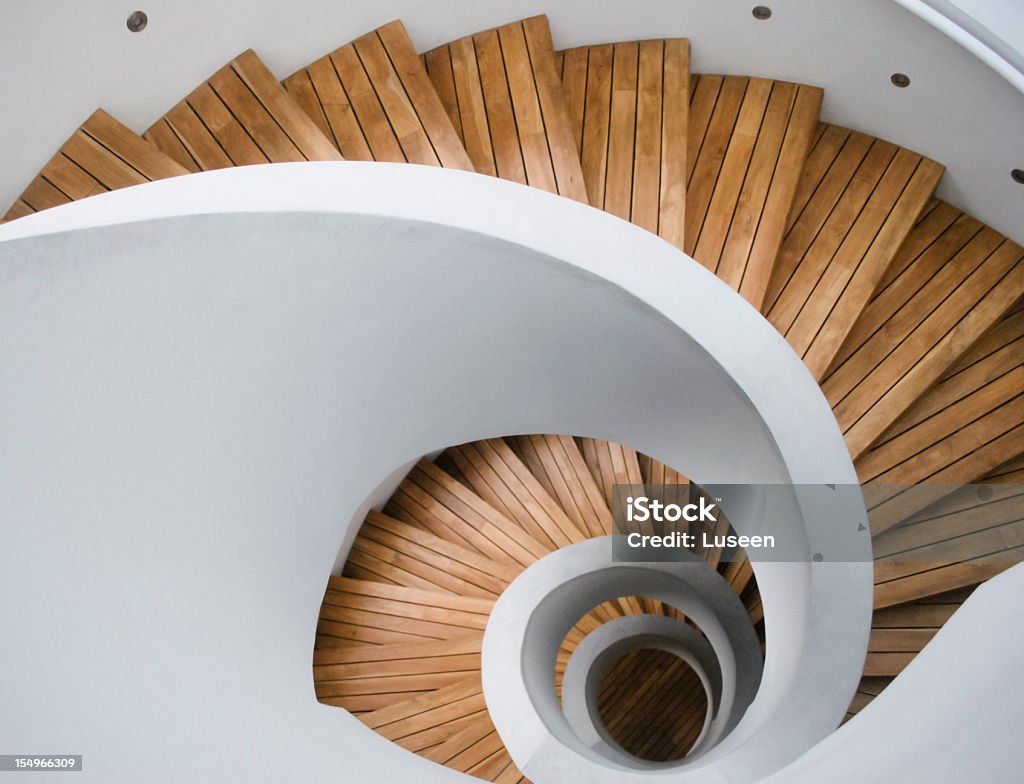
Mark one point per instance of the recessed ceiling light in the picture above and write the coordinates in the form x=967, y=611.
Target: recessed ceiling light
x=900, y=79
x=762, y=12
x=137, y=21
x=1018, y=175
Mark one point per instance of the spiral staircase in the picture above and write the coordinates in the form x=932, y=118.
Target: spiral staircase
x=907, y=311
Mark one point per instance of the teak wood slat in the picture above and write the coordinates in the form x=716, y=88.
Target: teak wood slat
x=629, y=104
x=240, y=115
x=507, y=104
x=953, y=281
x=967, y=425
x=497, y=474
x=559, y=466
x=102, y=155
x=450, y=510
x=373, y=99
x=747, y=142
x=856, y=203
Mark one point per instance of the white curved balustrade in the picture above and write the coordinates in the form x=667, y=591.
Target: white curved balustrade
x=205, y=377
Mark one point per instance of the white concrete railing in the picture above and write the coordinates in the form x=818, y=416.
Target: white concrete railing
x=204, y=378
x=533, y=615
x=953, y=715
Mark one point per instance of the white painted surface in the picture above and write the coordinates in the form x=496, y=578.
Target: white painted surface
x=204, y=378
x=953, y=715
x=531, y=618
x=992, y=30
x=60, y=59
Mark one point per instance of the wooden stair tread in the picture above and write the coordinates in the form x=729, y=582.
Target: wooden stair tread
x=967, y=425
x=469, y=642
x=931, y=581
x=447, y=508
x=372, y=98
x=660, y=719
x=440, y=611
x=407, y=717
x=1010, y=472
x=366, y=588
x=954, y=519
x=408, y=550
x=559, y=467
x=858, y=200
x=497, y=474
x=628, y=105
x=240, y=115
x=102, y=155
x=747, y=142
x=953, y=280
x=611, y=464
x=504, y=98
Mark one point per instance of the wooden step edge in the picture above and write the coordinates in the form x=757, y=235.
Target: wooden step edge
x=374, y=99
x=101, y=155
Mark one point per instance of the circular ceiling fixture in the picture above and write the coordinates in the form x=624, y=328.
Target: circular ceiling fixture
x=1018, y=175
x=137, y=21
x=900, y=79
x=762, y=12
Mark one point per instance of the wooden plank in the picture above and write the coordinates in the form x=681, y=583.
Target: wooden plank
x=504, y=481
x=554, y=110
x=498, y=116
x=102, y=155
x=459, y=741
x=393, y=685
x=335, y=634
x=439, y=63
x=855, y=216
x=355, y=653
x=198, y=132
x=409, y=595
x=611, y=464
x=448, y=565
x=298, y=127
x=511, y=106
x=967, y=425
x=399, y=668
x=750, y=138
x=449, y=509
x=1011, y=472
x=330, y=614
x=559, y=466
x=934, y=581
x=572, y=66
x=318, y=89
x=920, y=324
x=952, y=519
x=432, y=736
x=439, y=614
x=621, y=139
x=408, y=69
x=241, y=115
x=914, y=615
x=430, y=710
x=629, y=104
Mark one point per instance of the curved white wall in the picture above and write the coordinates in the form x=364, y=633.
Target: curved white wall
x=60, y=59
x=953, y=715
x=203, y=378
